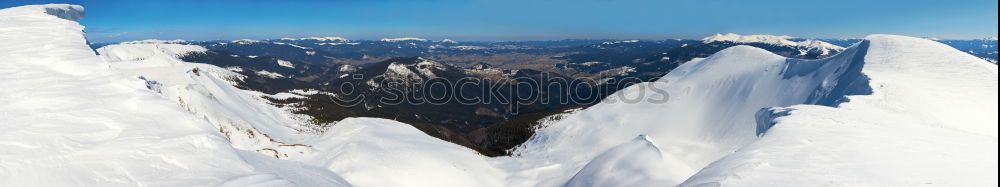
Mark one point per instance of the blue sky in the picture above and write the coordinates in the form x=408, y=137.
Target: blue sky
x=121, y=20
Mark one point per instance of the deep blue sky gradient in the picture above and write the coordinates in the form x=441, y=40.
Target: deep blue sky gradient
x=121, y=20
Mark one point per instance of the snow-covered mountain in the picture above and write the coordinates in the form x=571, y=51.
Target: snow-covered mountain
x=137, y=115
x=982, y=48
x=930, y=119
x=908, y=89
x=206, y=90
x=888, y=111
x=325, y=38
x=403, y=39
x=250, y=123
x=69, y=120
x=823, y=48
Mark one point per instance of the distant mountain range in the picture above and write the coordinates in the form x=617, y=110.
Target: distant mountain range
x=985, y=48
x=321, y=64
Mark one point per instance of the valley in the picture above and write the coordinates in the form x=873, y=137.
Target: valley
x=489, y=70
x=551, y=76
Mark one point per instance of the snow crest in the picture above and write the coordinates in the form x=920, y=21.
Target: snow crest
x=715, y=108
x=65, y=114
x=930, y=120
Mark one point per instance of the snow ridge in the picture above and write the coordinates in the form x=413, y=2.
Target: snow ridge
x=403, y=39
x=156, y=41
x=251, y=124
x=64, y=113
x=153, y=50
x=922, y=91
x=823, y=47
x=326, y=38
x=209, y=91
x=731, y=87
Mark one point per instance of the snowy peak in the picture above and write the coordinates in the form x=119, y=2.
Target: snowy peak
x=326, y=38
x=933, y=69
x=916, y=79
x=732, y=37
x=449, y=41
x=414, y=69
x=403, y=39
x=823, y=47
x=619, y=42
x=481, y=66
x=245, y=41
x=148, y=50
x=920, y=90
x=156, y=41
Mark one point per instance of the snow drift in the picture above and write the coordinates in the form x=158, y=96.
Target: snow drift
x=618, y=167
x=381, y=152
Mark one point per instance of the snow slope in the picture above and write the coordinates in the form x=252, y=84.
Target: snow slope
x=618, y=167
x=247, y=120
x=367, y=152
x=931, y=120
x=710, y=111
x=69, y=121
x=381, y=152
x=720, y=104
